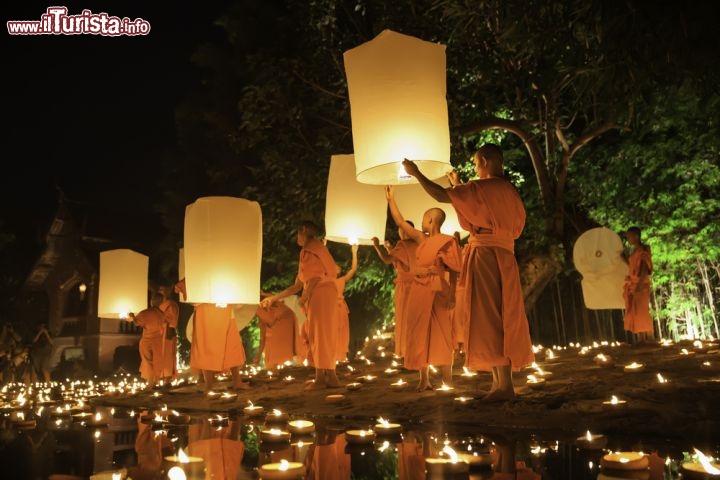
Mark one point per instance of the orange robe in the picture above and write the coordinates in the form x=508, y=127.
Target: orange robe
x=317, y=262
x=329, y=461
x=151, y=342
x=497, y=331
x=343, y=312
x=459, y=313
x=411, y=460
x=636, y=291
x=279, y=333
x=404, y=261
x=149, y=449
x=171, y=313
x=221, y=450
x=216, y=343
x=427, y=313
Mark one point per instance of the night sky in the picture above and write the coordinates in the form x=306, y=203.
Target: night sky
x=92, y=114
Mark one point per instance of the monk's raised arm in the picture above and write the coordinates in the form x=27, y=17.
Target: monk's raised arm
x=411, y=232
x=437, y=192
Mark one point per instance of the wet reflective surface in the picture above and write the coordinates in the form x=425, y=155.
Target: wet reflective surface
x=82, y=442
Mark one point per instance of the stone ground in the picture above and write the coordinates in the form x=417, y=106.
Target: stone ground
x=569, y=402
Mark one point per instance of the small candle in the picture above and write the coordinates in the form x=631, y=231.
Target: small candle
x=634, y=367
x=301, y=427
x=353, y=386
x=360, y=436
x=253, y=410
x=709, y=366
x=662, y=380
x=367, y=378
x=282, y=470
x=335, y=398
x=194, y=467
x=384, y=427
x=685, y=351
x=604, y=360
x=276, y=417
x=462, y=399
x=441, y=467
x=702, y=468
x=591, y=441
x=468, y=373
x=275, y=435
x=400, y=384
x=445, y=389
x=535, y=382
x=625, y=461
x=177, y=418
x=391, y=371
x=614, y=402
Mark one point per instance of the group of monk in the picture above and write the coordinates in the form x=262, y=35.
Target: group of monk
x=447, y=298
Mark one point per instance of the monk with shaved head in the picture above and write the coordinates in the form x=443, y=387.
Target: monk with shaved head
x=427, y=313
x=497, y=334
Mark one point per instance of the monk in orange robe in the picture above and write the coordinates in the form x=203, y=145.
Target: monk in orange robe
x=150, y=449
x=316, y=278
x=636, y=290
x=402, y=258
x=279, y=334
x=431, y=298
x=171, y=314
x=216, y=344
x=152, y=322
x=343, y=345
x=497, y=335
x=327, y=459
x=220, y=448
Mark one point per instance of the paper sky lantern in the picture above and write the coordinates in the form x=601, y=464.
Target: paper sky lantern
x=354, y=212
x=413, y=201
x=596, y=256
x=123, y=283
x=181, y=264
x=223, y=250
x=398, y=109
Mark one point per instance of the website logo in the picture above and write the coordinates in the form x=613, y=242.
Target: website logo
x=56, y=21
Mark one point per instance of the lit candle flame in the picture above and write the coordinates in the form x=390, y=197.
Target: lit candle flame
x=614, y=400
x=589, y=436
x=284, y=465
x=661, y=379
x=182, y=457
x=450, y=453
x=383, y=422
x=176, y=473
x=276, y=412
x=705, y=462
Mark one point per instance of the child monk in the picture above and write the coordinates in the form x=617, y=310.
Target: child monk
x=279, y=333
x=402, y=258
x=431, y=298
x=636, y=290
x=171, y=314
x=152, y=322
x=316, y=278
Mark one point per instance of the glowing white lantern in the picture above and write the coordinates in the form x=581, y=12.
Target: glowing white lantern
x=354, y=212
x=413, y=201
x=596, y=255
x=223, y=251
x=398, y=109
x=123, y=283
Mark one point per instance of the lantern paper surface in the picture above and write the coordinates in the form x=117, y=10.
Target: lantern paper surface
x=398, y=108
x=413, y=201
x=223, y=251
x=123, y=283
x=597, y=256
x=354, y=212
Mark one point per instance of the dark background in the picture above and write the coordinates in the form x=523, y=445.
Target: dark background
x=90, y=115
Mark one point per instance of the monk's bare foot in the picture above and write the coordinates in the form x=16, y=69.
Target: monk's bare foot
x=497, y=396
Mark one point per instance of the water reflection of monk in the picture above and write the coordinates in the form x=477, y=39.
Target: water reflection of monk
x=326, y=459
x=220, y=448
x=506, y=467
x=412, y=451
x=150, y=447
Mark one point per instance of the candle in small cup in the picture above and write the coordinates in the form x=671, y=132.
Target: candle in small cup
x=282, y=470
x=634, y=367
x=193, y=467
x=400, y=384
x=360, y=436
x=614, y=402
x=253, y=410
x=625, y=461
x=301, y=427
x=275, y=435
x=702, y=467
x=446, y=466
x=353, y=386
x=535, y=382
x=591, y=441
x=335, y=398
x=384, y=427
